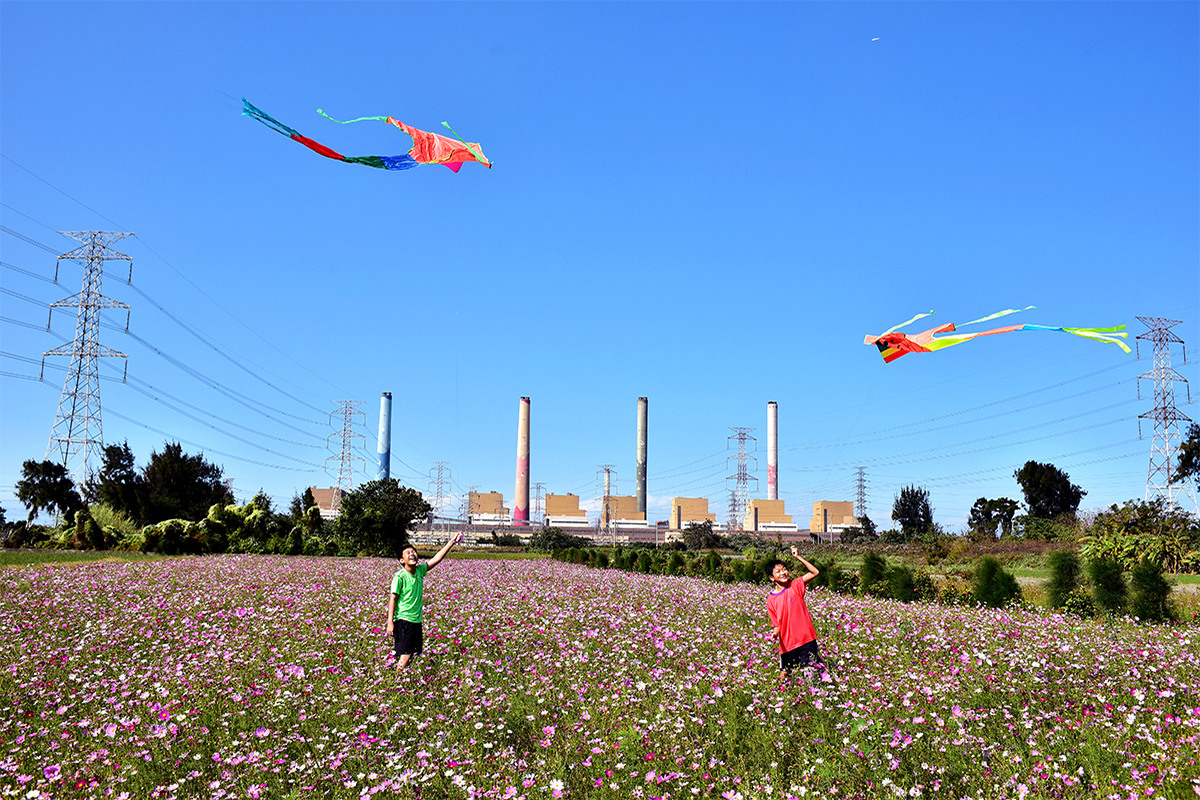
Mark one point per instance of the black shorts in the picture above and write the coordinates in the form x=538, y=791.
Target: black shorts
x=408, y=637
x=801, y=656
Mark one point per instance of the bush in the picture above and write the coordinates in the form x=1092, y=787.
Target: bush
x=675, y=565
x=1065, y=573
x=644, y=561
x=1079, y=603
x=900, y=584
x=1150, y=592
x=923, y=586
x=845, y=582
x=873, y=572
x=953, y=594
x=993, y=585
x=1108, y=585
x=602, y=560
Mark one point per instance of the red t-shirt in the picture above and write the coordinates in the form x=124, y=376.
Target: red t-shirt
x=788, y=612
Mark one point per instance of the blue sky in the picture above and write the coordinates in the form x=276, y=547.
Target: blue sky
x=706, y=204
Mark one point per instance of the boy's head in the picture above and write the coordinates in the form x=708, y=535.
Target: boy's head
x=409, y=556
x=777, y=571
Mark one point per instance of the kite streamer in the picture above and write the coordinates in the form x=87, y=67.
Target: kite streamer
x=428, y=148
x=892, y=345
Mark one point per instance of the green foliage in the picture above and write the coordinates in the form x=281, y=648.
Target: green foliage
x=376, y=517
x=700, y=536
x=924, y=588
x=1063, y=528
x=864, y=532
x=47, y=486
x=550, y=539
x=1145, y=531
x=602, y=560
x=175, y=485
x=1108, y=584
x=116, y=483
x=873, y=571
x=676, y=564
x=1048, y=490
x=1149, y=592
x=911, y=510
x=173, y=537
x=1188, y=465
x=1065, y=574
x=505, y=540
x=992, y=518
x=1079, y=603
x=993, y=585
x=901, y=585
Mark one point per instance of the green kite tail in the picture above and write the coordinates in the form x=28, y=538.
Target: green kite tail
x=464, y=141
x=347, y=122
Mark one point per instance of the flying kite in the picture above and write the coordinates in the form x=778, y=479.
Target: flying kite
x=892, y=345
x=428, y=148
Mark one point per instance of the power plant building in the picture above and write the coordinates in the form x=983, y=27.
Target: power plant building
x=686, y=510
x=563, y=511
x=622, y=512
x=487, y=508
x=763, y=516
x=830, y=516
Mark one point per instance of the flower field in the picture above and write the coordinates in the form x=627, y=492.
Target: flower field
x=259, y=676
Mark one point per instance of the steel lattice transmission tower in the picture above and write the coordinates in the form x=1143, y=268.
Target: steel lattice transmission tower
x=1165, y=415
x=465, y=506
x=346, y=458
x=860, y=488
x=607, y=477
x=437, y=487
x=539, y=505
x=78, y=432
x=739, y=495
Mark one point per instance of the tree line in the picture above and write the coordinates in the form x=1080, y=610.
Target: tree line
x=180, y=503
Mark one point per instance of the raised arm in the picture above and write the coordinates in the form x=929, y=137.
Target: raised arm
x=812, y=571
x=437, y=559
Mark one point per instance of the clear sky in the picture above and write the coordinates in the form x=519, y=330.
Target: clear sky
x=706, y=204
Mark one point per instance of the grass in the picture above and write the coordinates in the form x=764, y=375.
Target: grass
x=23, y=558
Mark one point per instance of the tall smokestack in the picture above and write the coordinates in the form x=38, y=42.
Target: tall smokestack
x=643, y=413
x=384, y=449
x=520, y=512
x=772, y=450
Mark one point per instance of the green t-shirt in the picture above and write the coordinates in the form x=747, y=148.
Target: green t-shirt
x=409, y=591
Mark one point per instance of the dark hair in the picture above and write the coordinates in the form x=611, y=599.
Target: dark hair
x=769, y=567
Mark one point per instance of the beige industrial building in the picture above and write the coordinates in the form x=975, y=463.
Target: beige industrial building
x=620, y=509
x=326, y=499
x=832, y=515
x=563, y=511
x=486, y=503
x=685, y=510
x=767, y=516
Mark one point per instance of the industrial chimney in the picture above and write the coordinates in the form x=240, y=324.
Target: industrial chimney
x=642, y=414
x=520, y=512
x=384, y=449
x=772, y=450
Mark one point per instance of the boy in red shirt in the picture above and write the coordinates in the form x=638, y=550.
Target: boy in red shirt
x=791, y=624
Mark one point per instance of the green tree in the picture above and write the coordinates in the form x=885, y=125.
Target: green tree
x=1048, y=490
x=116, y=483
x=47, y=486
x=1108, y=584
x=700, y=536
x=989, y=517
x=912, y=511
x=377, y=516
x=175, y=485
x=551, y=539
x=1189, y=457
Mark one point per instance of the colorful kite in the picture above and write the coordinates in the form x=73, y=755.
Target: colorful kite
x=428, y=148
x=892, y=345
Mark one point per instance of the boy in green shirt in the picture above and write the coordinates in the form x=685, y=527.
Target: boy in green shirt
x=406, y=603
